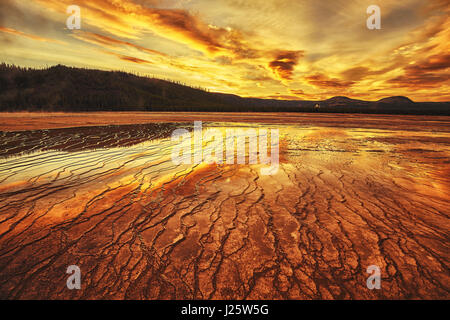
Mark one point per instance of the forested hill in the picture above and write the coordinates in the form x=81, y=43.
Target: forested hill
x=61, y=88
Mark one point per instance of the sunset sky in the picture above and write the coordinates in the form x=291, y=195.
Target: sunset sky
x=286, y=49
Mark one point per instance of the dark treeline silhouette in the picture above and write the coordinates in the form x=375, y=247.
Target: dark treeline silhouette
x=67, y=89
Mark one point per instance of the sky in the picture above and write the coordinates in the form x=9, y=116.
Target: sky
x=280, y=49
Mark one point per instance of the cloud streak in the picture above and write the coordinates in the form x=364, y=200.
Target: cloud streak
x=102, y=40
x=128, y=58
x=28, y=36
x=323, y=81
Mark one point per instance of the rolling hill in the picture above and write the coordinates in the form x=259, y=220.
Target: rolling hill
x=62, y=88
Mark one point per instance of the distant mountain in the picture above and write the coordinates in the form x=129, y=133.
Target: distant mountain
x=396, y=100
x=389, y=105
x=61, y=88
x=339, y=100
x=344, y=102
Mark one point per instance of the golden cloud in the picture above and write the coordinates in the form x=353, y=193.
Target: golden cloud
x=102, y=40
x=29, y=36
x=284, y=62
x=323, y=81
x=127, y=58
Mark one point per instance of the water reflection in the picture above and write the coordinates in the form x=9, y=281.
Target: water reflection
x=143, y=227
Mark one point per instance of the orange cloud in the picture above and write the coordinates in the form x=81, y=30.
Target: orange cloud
x=298, y=92
x=129, y=19
x=27, y=35
x=431, y=63
x=127, y=58
x=323, y=81
x=282, y=97
x=429, y=72
x=284, y=63
x=188, y=27
x=102, y=40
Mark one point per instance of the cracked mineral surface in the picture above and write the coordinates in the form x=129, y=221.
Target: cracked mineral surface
x=109, y=199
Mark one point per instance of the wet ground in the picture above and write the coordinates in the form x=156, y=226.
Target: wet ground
x=368, y=190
